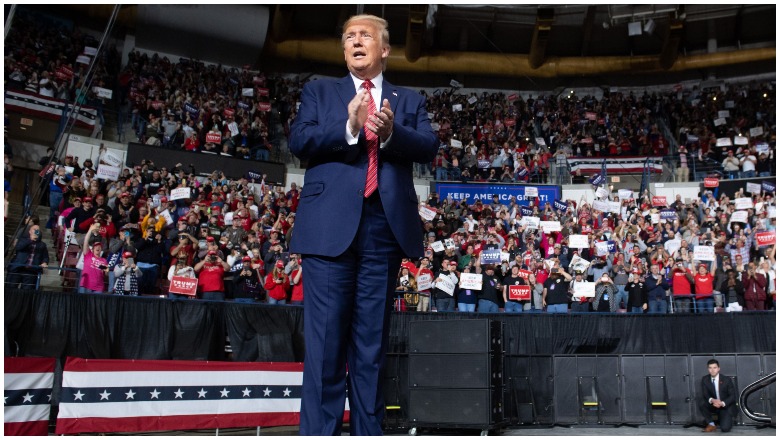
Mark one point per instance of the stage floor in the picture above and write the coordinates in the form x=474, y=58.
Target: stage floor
x=599, y=431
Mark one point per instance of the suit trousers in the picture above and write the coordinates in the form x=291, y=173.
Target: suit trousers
x=346, y=314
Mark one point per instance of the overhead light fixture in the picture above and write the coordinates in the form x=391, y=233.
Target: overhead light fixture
x=649, y=26
x=634, y=29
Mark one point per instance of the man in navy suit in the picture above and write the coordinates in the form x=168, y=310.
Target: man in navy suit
x=357, y=217
x=718, y=397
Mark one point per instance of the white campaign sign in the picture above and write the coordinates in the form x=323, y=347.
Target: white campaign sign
x=110, y=158
x=530, y=222
x=614, y=207
x=578, y=241
x=167, y=216
x=738, y=216
x=103, y=93
x=540, y=141
x=584, y=289
x=426, y=213
x=756, y=131
x=449, y=243
x=531, y=191
x=723, y=142
x=180, y=193
x=723, y=113
x=108, y=172
x=548, y=226
x=424, y=282
x=655, y=218
x=704, y=253
x=579, y=263
x=625, y=194
x=672, y=246
x=454, y=143
x=753, y=188
x=471, y=281
x=743, y=203
x=601, y=193
x=437, y=246
x=740, y=140
x=602, y=248
x=770, y=212
x=504, y=256
x=445, y=283
x=600, y=205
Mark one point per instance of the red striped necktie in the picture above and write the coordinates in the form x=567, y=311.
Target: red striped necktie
x=372, y=145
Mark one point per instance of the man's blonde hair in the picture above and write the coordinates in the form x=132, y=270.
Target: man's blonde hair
x=378, y=22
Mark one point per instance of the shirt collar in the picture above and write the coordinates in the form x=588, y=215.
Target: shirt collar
x=376, y=81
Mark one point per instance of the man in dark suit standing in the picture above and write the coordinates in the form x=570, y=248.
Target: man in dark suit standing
x=357, y=217
x=718, y=397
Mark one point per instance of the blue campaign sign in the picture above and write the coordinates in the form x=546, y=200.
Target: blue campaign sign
x=471, y=192
x=526, y=211
x=490, y=256
x=559, y=205
x=767, y=186
x=668, y=214
x=611, y=246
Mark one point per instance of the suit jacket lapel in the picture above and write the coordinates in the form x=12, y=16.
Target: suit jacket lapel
x=390, y=93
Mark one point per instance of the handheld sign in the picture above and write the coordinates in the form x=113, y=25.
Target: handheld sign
x=753, y=188
x=550, y=226
x=738, y=216
x=743, y=203
x=524, y=274
x=519, y=293
x=704, y=253
x=424, y=282
x=437, y=246
x=108, y=172
x=659, y=200
x=711, y=182
x=180, y=193
x=471, y=281
x=445, y=284
x=578, y=241
x=490, y=256
x=584, y=289
x=427, y=213
x=765, y=238
x=184, y=286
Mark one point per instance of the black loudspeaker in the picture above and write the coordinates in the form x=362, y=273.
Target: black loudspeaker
x=456, y=373
x=455, y=406
x=454, y=336
x=454, y=370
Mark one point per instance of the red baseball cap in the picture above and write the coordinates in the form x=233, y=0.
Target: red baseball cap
x=246, y=258
x=127, y=254
x=124, y=194
x=212, y=252
x=88, y=199
x=210, y=239
x=279, y=263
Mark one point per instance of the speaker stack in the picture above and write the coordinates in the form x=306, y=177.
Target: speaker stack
x=456, y=374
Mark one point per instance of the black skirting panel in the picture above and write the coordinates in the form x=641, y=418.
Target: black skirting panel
x=628, y=368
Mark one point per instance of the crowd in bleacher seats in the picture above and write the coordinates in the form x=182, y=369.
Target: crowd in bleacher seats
x=42, y=56
x=488, y=137
x=187, y=104
x=702, y=117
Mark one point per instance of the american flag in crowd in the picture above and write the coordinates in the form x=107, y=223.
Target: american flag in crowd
x=28, y=385
x=141, y=395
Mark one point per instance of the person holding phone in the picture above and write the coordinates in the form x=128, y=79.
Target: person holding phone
x=127, y=275
x=277, y=283
x=95, y=266
x=211, y=276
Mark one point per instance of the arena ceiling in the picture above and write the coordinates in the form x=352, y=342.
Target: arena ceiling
x=492, y=46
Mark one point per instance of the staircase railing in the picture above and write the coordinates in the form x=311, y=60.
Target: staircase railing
x=750, y=389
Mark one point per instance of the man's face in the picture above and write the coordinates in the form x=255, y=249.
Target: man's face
x=713, y=369
x=35, y=232
x=364, y=49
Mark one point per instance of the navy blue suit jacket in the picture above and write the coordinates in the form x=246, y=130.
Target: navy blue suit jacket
x=331, y=200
